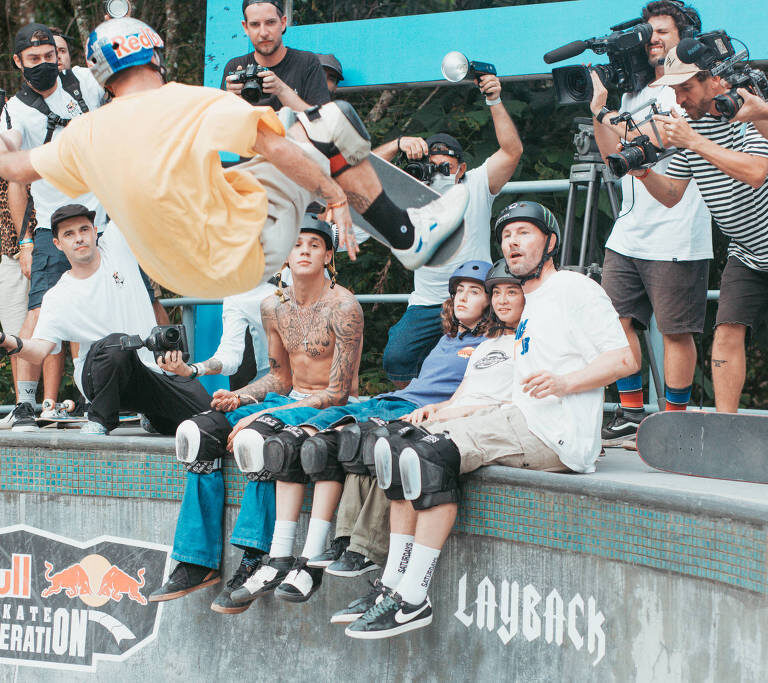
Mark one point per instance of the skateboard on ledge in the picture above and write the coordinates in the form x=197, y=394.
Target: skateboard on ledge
x=76, y=421
x=714, y=445
x=406, y=191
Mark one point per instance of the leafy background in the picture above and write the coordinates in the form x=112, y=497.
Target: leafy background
x=546, y=132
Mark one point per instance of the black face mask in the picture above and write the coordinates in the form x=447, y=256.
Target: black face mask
x=43, y=76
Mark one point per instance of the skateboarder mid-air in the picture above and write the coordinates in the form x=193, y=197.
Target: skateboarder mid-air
x=151, y=157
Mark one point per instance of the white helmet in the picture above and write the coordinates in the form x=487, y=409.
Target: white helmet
x=119, y=44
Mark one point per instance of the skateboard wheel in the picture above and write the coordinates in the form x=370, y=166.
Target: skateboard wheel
x=68, y=405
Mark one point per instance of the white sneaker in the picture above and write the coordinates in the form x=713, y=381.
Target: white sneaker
x=7, y=421
x=94, y=429
x=433, y=224
x=335, y=128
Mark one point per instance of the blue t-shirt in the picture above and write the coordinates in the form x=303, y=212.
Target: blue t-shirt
x=441, y=372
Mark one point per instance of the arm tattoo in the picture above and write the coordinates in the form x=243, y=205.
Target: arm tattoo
x=358, y=202
x=212, y=366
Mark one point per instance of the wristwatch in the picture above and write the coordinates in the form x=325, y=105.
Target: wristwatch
x=601, y=114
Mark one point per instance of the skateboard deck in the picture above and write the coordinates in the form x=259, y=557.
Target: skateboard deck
x=714, y=445
x=406, y=191
x=77, y=421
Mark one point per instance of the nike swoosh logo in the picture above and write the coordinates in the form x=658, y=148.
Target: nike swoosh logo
x=401, y=617
x=421, y=244
x=432, y=227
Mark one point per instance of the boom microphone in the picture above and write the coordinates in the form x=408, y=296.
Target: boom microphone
x=690, y=51
x=566, y=51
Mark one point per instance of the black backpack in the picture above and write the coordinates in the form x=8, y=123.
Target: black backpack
x=35, y=100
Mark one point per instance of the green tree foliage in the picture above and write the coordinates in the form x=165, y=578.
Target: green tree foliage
x=458, y=109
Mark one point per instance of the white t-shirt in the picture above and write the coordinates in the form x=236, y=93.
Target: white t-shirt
x=430, y=283
x=32, y=125
x=241, y=312
x=646, y=229
x=113, y=299
x=566, y=324
x=489, y=376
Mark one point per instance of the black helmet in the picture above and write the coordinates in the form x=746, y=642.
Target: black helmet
x=471, y=270
x=533, y=212
x=498, y=274
x=312, y=223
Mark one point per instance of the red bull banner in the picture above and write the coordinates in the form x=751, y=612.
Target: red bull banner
x=67, y=604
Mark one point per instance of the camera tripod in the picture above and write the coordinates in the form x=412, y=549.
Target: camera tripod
x=591, y=174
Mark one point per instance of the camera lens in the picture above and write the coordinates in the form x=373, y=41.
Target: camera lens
x=171, y=335
x=573, y=84
x=729, y=104
x=628, y=159
x=417, y=169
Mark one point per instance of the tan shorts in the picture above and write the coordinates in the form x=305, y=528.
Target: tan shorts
x=287, y=203
x=498, y=435
x=15, y=288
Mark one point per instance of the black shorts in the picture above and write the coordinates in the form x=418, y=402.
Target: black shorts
x=743, y=294
x=48, y=265
x=675, y=291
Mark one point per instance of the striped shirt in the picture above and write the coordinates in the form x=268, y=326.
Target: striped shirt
x=739, y=210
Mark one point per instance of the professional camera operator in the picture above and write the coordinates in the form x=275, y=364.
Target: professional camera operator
x=656, y=259
x=48, y=99
x=96, y=303
x=417, y=332
x=287, y=77
x=728, y=161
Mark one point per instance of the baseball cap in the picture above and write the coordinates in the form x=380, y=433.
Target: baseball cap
x=276, y=3
x=330, y=62
x=70, y=211
x=24, y=38
x=675, y=71
x=445, y=144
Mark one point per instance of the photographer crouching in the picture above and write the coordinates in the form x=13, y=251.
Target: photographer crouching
x=103, y=304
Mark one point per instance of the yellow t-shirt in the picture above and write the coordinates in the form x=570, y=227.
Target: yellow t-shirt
x=152, y=161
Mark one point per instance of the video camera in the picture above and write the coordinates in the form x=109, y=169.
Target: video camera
x=161, y=339
x=714, y=52
x=628, y=68
x=424, y=170
x=252, y=91
x=639, y=152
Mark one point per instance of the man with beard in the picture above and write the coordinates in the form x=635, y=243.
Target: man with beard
x=294, y=78
x=728, y=160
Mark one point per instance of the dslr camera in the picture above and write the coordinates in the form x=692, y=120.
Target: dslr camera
x=424, y=170
x=252, y=91
x=714, y=52
x=639, y=152
x=628, y=68
x=161, y=339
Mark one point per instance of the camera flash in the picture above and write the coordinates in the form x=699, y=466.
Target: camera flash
x=117, y=9
x=455, y=67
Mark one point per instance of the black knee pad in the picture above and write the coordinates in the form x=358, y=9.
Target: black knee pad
x=249, y=446
x=282, y=455
x=429, y=471
x=400, y=428
x=352, y=440
x=201, y=442
x=319, y=457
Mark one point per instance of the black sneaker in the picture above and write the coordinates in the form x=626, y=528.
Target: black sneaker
x=390, y=617
x=264, y=580
x=338, y=546
x=223, y=604
x=300, y=582
x=23, y=418
x=351, y=564
x=355, y=609
x=623, y=427
x=185, y=578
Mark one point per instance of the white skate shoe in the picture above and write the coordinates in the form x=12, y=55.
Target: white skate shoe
x=336, y=129
x=434, y=223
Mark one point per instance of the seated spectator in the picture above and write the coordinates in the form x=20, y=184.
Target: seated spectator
x=547, y=380
x=333, y=73
x=325, y=460
x=314, y=334
x=414, y=335
x=99, y=300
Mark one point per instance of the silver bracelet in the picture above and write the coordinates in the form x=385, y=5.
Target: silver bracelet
x=490, y=103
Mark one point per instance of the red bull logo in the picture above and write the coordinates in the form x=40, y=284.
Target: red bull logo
x=95, y=580
x=146, y=39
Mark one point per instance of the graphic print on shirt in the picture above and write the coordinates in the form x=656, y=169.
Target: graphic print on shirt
x=491, y=359
x=465, y=352
x=522, y=342
x=119, y=279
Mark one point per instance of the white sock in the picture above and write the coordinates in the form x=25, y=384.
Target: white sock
x=282, y=539
x=317, y=535
x=418, y=574
x=400, y=548
x=27, y=392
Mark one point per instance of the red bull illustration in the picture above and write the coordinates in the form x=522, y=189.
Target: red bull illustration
x=73, y=580
x=116, y=583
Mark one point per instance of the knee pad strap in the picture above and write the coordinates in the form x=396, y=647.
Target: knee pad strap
x=203, y=466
